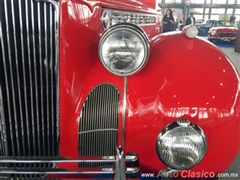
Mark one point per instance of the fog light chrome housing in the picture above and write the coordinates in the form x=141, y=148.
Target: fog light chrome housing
x=181, y=145
x=124, y=49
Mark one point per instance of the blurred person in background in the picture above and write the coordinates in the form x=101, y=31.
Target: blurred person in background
x=190, y=19
x=168, y=21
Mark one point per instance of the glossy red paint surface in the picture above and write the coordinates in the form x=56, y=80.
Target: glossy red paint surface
x=182, y=78
x=190, y=79
x=80, y=69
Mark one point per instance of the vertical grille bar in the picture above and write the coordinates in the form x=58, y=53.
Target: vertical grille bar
x=47, y=77
x=52, y=76
x=3, y=135
x=41, y=72
x=6, y=76
x=56, y=30
x=18, y=82
x=2, y=116
x=98, y=125
x=35, y=78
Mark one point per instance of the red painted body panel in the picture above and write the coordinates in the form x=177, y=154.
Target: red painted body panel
x=190, y=78
x=80, y=69
x=181, y=80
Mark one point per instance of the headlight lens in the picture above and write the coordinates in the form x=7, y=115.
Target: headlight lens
x=124, y=49
x=213, y=32
x=181, y=145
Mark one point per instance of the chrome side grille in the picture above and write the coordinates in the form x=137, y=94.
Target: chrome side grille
x=232, y=35
x=98, y=125
x=29, y=79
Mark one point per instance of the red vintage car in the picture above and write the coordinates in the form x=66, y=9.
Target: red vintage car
x=227, y=34
x=89, y=88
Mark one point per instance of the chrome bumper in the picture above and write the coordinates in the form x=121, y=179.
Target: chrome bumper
x=119, y=170
x=226, y=39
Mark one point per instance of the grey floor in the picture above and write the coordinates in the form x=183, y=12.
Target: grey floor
x=235, y=58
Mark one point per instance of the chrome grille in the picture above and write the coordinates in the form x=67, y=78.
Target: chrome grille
x=232, y=35
x=98, y=126
x=29, y=124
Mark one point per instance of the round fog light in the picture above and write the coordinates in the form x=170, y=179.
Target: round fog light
x=124, y=49
x=181, y=145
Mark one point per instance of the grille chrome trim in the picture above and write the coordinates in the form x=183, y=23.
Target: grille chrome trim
x=35, y=79
x=119, y=169
x=124, y=109
x=3, y=136
x=95, y=130
x=99, y=120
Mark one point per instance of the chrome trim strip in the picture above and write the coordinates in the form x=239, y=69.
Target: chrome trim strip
x=58, y=171
x=77, y=160
x=68, y=171
x=51, y=75
x=56, y=69
x=45, y=62
x=124, y=109
x=132, y=170
x=66, y=159
x=120, y=166
x=97, y=130
x=2, y=117
x=35, y=84
x=24, y=74
x=18, y=86
x=6, y=76
x=41, y=75
x=95, y=113
x=108, y=110
x=3, y=133
x=47, y=76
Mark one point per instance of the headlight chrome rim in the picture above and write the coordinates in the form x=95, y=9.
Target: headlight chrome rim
x=181, y=123
x=132, y=29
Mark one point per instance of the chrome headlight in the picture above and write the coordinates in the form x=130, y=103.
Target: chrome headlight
x=124, y=49
x=181, y=145
x=213, y=32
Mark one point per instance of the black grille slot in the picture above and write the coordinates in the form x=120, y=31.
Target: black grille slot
x=29, y=80
x=227, y=35
x=98, y=126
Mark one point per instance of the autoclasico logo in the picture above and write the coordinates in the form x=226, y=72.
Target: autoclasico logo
x=198, y=174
